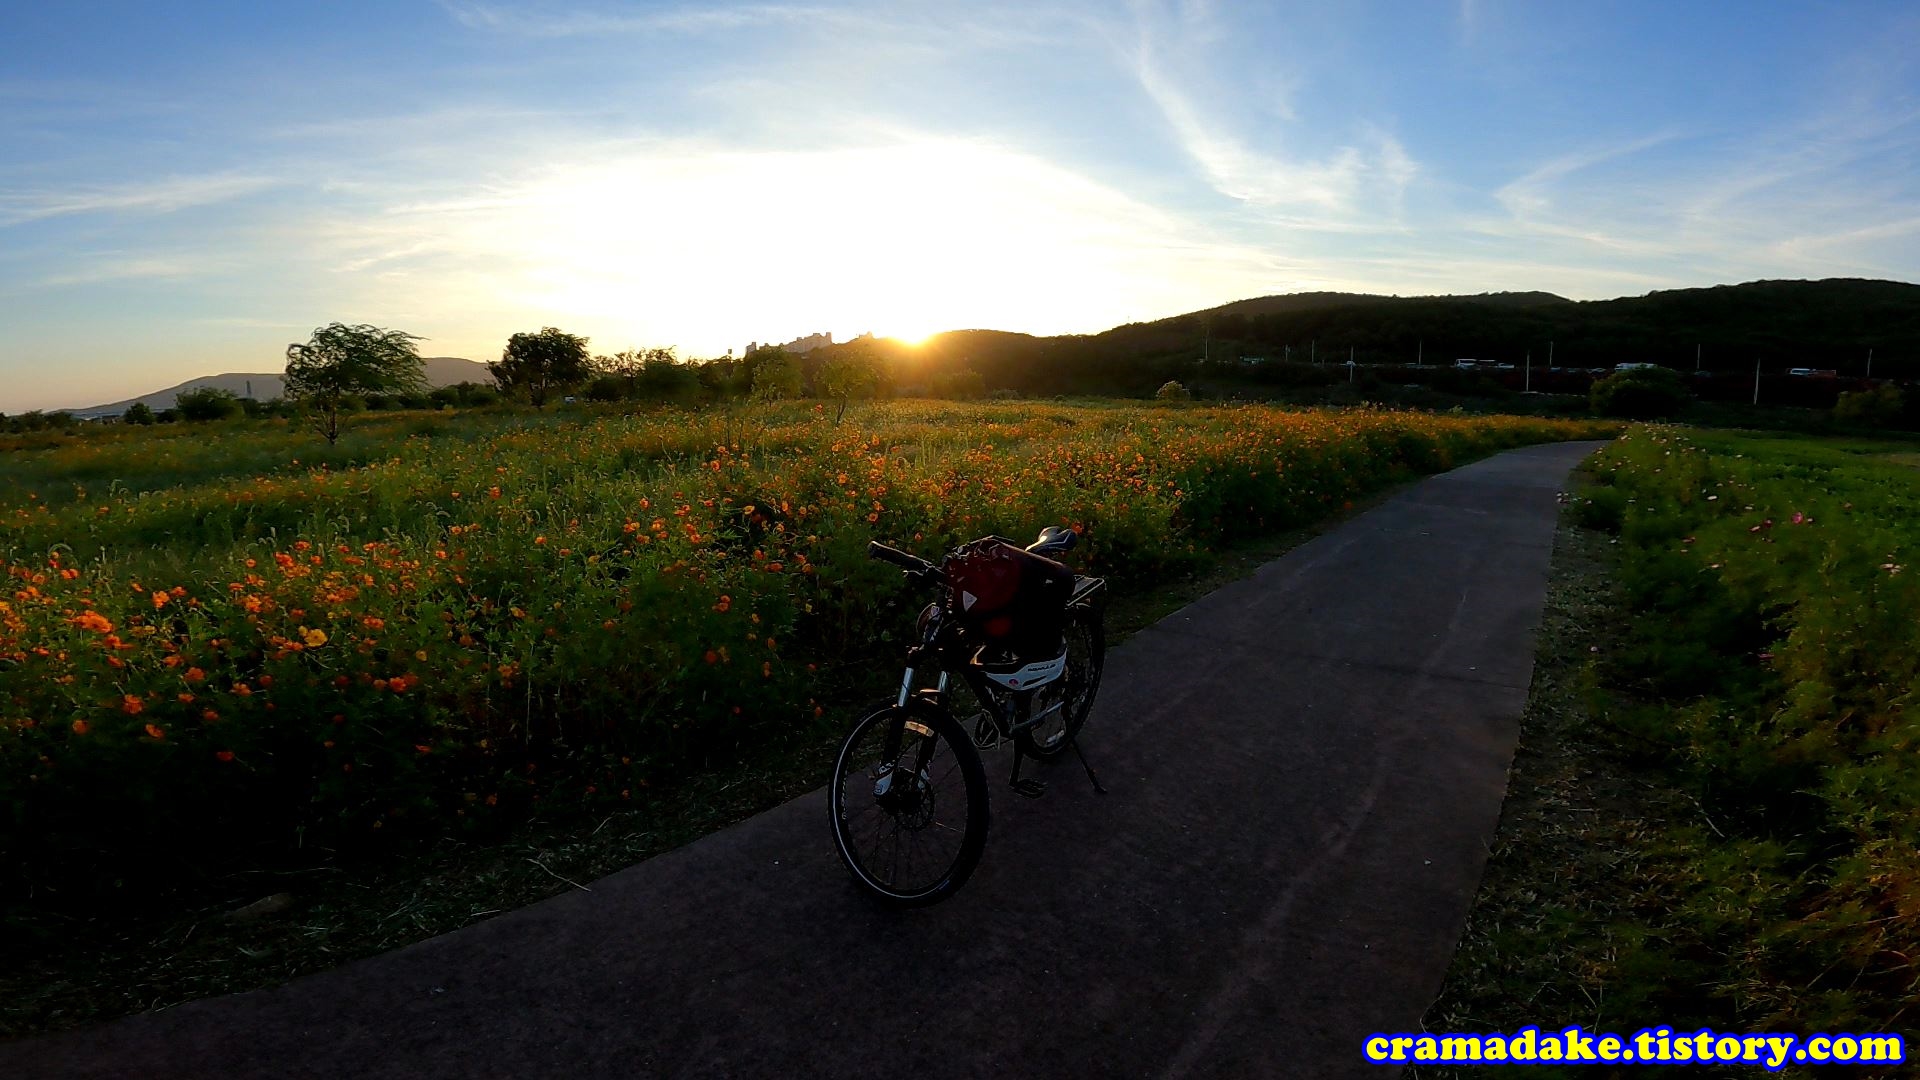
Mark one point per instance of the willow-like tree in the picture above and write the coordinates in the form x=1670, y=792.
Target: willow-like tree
x=341, y=362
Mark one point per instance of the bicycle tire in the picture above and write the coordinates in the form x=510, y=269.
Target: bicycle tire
x=864, y=822
x=1049, y=740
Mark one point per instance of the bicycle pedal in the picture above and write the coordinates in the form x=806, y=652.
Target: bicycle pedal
x=1030, y=788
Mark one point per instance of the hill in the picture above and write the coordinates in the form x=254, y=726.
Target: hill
x=265, y=386
x=1817, y=324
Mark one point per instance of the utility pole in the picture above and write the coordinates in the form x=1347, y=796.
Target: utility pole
x=1549, y=355
x=1206, y=350
x=1287, y=357
x=1869, y=361
x=1696, y=357
x=1529, y=384
x=1420, y=358
x=1756, y=380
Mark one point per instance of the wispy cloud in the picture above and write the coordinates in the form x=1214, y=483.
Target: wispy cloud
x=125, y=268
x=1372, y=168
x=157, y=197
x=1532, y=195
x=548, y=22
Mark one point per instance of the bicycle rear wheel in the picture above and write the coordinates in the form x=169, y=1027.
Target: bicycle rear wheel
x=1086, y=656
x=909, y=804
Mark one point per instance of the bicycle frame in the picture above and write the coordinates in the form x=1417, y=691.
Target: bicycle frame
x=1009, y=707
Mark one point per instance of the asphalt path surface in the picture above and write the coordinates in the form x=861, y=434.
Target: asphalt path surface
x=1305, y=769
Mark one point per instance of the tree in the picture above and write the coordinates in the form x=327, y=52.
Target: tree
x=1642, y=393
x=537, y=363
x=663, y=376
x=138, y=413
x=960, y=383
x=851, y=372
x=1879, y=407
x=1171, y=390
x=775, y=375
x=342, y=362
x=207, y=403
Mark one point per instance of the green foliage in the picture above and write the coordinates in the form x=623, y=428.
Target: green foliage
x=35, y=420
x=466, y=395
x=1771, y=664
x=1600, y=507
x=137, y=413
x=1881, y=406
x=1644, y=393
x=207, y=403
x=776, y=375
x=536, y=364
x=958, y=384
x=1173, y=391
x=852, y=372
x=340, y=365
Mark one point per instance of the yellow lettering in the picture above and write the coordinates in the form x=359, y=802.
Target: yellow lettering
x=1883, y=1048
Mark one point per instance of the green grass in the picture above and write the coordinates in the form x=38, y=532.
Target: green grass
x=1712, y=817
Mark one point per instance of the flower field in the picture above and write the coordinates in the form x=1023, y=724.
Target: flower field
x=219, y=648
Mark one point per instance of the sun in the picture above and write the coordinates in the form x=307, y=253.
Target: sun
x=908, y=239
x=915, y=338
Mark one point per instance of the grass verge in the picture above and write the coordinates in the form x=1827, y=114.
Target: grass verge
x=1616, y=894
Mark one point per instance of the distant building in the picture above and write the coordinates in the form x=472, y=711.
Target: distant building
x=798, y=345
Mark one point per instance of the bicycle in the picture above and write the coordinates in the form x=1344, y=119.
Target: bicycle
x=1026, y=636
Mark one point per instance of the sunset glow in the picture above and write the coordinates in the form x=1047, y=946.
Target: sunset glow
x=192, y=192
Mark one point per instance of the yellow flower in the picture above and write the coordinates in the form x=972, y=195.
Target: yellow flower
x=314, y=638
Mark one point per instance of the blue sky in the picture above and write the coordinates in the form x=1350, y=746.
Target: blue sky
x=187, y=188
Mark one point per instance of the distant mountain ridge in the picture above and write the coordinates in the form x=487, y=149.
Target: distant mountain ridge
x=265, y=386
x=1836, y=323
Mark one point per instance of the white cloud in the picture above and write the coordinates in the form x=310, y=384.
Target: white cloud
x=153, y=197
x=125, y=268
x=1334, y=190
x=581, y=22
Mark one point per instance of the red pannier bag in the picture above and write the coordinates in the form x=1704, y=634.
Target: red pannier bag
x=1010, y=597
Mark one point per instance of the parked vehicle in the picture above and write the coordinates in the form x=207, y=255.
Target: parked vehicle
x=1025, y=634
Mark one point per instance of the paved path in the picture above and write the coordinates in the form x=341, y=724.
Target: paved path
x=1305, y=767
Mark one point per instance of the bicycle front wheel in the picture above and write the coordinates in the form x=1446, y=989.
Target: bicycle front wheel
x=909, y=804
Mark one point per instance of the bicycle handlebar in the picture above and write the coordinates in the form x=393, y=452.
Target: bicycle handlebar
x=910, y=563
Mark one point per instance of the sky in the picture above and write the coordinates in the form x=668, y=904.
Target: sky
x=187, y=188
